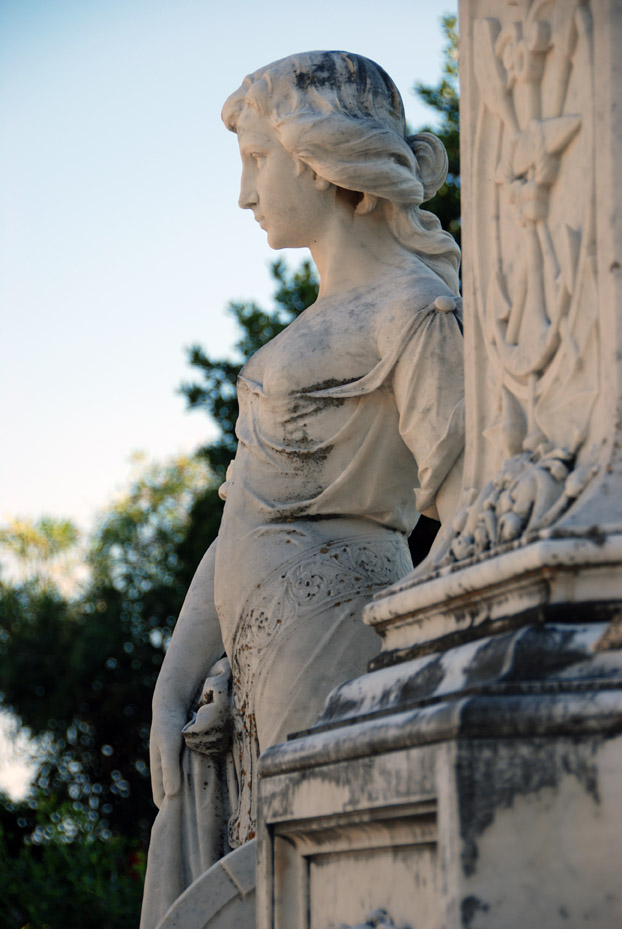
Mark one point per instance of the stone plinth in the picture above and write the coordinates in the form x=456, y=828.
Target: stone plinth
x=476, y=787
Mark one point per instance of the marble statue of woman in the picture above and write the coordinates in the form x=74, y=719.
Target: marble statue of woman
x=350, y=426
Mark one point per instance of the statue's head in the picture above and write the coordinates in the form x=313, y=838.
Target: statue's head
x=342, y=116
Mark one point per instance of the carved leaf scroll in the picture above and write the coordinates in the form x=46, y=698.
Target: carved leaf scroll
x=531, y=492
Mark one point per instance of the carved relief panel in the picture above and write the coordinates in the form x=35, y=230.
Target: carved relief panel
x=534, y=341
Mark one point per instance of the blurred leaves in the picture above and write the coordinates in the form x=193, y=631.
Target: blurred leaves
x=79, y=671
x=52, y=880
x=43, y=550
x=35, y=542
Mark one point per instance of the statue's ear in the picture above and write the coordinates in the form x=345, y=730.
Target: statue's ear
x=320, y=182
x=367, y=204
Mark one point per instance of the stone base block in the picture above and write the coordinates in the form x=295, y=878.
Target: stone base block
x=475, y=789
x=480, y=834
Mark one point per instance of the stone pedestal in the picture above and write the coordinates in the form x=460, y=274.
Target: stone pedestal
x=474, y=777
x=477, y=787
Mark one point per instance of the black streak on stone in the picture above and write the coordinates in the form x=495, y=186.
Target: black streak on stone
x=321, y=74
x=541, y=651
x=537, y=653
x=469, y=908
x=489, y=777
x=412, y=690
x=424, y=682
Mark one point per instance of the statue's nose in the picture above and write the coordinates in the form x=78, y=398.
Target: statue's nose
x=248, y=195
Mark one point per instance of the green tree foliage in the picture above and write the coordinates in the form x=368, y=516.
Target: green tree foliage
x=79, y=671
x=35, y=543
x=40, y=548
x=444, y=98
x=65, y=882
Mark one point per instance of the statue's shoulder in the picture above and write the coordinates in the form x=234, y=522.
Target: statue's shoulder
x=409, y=299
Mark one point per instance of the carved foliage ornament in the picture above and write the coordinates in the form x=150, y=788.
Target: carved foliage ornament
x=527, y=495
x=534, y=268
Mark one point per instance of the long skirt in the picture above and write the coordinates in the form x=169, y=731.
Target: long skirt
x=298, y=636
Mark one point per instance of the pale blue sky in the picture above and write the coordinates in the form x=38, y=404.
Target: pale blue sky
x=120, y=238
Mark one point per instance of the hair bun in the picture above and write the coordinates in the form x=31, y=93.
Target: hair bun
x=432, y=161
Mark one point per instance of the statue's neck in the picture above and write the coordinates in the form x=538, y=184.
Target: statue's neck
x=356, y=250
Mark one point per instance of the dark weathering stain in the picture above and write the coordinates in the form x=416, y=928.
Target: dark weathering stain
x=321, y=74
x=490, y=776
x=324, y=385
x=537, y=652
x=308, y=455
x=469, y=908
x=423, y=683
x=407, y=693
x=364, y=73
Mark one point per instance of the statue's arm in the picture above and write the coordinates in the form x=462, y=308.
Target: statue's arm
x=448, y=495
x=428, y=385
x=196, y=644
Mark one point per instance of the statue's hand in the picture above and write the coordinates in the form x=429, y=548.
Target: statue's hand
x=195, y=645
x=165, y=746
x=207, y=732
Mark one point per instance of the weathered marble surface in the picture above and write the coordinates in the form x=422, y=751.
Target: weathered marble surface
x=351, y=424
x=456, y=833
x=477, y=786
x=473, y=779
x=539, y=81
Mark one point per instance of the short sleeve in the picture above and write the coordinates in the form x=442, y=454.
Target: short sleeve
x=428, y=384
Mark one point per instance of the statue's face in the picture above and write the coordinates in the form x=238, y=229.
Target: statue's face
x=286, y=204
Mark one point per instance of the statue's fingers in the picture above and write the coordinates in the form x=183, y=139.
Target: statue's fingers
x=157, y=784
x=171, y=769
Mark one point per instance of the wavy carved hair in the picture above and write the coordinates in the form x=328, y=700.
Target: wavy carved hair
x=343, y=116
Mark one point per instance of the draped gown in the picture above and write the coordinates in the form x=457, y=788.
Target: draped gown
x=350, y=421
